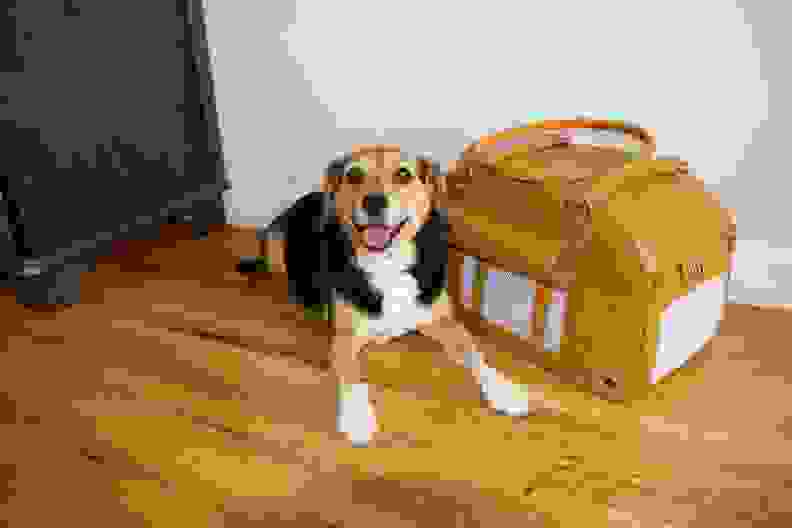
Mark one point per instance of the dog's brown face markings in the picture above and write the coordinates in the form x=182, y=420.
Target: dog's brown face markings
x=407, y=186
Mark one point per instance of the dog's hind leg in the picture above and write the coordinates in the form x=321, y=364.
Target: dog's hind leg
x=271, y=255
x=272, y=245
x=274, y=251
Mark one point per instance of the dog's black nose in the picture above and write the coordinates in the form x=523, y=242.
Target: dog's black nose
x=375, y=203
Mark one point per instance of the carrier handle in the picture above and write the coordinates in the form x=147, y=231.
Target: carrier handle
x=646, y=137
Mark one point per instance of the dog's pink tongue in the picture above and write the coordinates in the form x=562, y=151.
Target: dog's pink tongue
x=378, y=236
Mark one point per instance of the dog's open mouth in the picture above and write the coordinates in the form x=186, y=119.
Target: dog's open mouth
x=379, y=237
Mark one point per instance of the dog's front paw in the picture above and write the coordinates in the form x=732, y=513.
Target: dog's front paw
x=506, y=397
x=356, y=417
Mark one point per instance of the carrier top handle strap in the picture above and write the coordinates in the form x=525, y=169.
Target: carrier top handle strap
x=557, y=131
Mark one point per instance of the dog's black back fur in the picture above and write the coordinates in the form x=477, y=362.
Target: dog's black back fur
x=320, y=256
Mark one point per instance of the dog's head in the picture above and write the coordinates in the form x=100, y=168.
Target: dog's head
x=382, y=194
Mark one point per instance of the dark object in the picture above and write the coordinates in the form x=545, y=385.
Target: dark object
x=124, y=139
x=9, y=261
x=56, y=286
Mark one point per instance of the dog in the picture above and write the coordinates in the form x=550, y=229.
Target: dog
x=370, y=251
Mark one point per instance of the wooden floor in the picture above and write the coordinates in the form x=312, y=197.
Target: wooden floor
x=179, y=393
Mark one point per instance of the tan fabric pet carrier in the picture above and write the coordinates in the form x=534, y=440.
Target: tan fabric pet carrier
x=577, y=248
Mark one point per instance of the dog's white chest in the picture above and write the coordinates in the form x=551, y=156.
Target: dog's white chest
x=401, y=311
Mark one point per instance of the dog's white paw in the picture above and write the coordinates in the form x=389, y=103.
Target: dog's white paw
x=504, y=396
x=356, y=417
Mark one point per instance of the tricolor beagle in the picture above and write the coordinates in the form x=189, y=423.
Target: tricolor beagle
x=371, y=251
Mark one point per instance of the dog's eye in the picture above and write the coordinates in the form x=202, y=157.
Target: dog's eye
x=405, y=173
x=355, y=173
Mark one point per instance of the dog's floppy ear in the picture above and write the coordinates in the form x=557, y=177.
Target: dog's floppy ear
x=334, y=174
x=430, y=173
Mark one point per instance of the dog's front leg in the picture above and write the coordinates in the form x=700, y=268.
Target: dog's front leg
x=461, y=347
x=356, y=417
x=346, y=352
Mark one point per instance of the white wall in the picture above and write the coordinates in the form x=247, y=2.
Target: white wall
x=297, y=82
